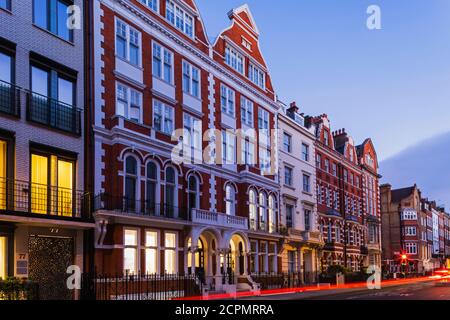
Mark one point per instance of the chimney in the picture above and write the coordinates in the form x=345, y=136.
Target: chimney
x=293, y=107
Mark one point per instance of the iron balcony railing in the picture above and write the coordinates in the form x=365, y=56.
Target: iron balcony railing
x=138, y=207
x=9, y=99
x=53, y=113
x=37, y=199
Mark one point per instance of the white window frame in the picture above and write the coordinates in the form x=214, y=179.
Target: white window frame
x=228, y=96
x=234, y=59
x=164, y=106
x=135, y=247
x=152, y=4
x=228, y=147
x=411, y=248
x=185, y=17
x=257, y=76
x=129, y=103
x=127, y=38
x=164, y=53
x=289, y=183
x=155, y=248
x=247, y=114
x=287, y=142
x=305, y=152
x=193, y=126
x=308, y=180
x=188, y=74
x=174, y=249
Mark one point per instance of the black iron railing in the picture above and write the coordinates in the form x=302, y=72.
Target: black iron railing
x=128, y=205
x=9, y=99
x=16, y=289
x=31, y=198
x=53, y=113
x=285, y=280
x=139, y=287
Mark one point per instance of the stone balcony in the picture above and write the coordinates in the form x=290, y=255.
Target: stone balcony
x=216, y=219
x=312, y=237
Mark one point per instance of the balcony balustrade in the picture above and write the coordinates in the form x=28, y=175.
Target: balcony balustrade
x=219, y=219
x=52, y=113
x=9, y=99
x=25, y=198
x=129, y=206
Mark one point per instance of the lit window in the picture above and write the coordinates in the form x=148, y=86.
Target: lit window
x=191, y=80
x=43, y=16
x=130, y=254
x=128, y=103
x=162, y=63
x=234, y=59
x=163, y=117
x=180, y=18
x=60, y=173
x=151, y=252
x=227, y=100
x=3, y=174
x=128, y=42
x=170, y=256
x=3, y=258
x=256, y=76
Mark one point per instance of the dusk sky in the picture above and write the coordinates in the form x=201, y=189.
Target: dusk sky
x=392, y=84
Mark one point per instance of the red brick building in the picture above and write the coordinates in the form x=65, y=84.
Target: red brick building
x=155, y=71
x=347, y=197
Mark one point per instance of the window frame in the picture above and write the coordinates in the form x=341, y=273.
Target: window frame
x=188, y=70
x=185, y=17
x=172, y=249
x=229, y=95
x=129, y=102
x=163, y=114
x=135, y=247
x=51, y=19
x=128, y=30
x=162, y=62
x=247, y=111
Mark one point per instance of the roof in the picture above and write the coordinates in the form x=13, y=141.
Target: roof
x=400, y=194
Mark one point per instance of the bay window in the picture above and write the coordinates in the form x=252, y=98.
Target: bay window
x=151, y=252
x=162, y=63
x=130, y=252
x=179, y=18
x=227, y=100
x=246, y=111
x=170, y=253
x=128, y=103
x=163, y=117
x=191, y=80
x=128, y=43
x=234, y=59
x=52, y=15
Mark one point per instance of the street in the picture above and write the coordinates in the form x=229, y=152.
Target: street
x=416, y=290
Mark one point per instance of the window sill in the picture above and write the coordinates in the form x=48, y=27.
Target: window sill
x=158, y=78
x=192, y=96
x=54, y=35
x=289, y=187
x=128, y=62
x=6, y=10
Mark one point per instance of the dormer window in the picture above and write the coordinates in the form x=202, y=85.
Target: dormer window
x=257, y=76
x=234, y=59
x=180, y=18
x=246, y=44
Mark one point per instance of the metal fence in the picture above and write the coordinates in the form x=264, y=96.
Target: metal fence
x=32, y=198
x=285, y=280
x=139, y=287
x=138, y=207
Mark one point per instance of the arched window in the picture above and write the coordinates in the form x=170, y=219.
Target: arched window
x=131, y=177
x=252, y=209
x=152, y=188
x=262, y=212
x=272, y=215
x=230, y=200
x=170, y=193
x=193, y=193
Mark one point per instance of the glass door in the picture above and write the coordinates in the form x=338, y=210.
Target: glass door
x=40, y=109
x=65, y=116
x=39, y=184
x=65, y=188
x=3, y=258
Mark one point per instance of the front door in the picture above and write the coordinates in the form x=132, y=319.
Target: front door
x=48, y=261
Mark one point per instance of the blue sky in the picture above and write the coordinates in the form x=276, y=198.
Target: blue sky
x=392, y=84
